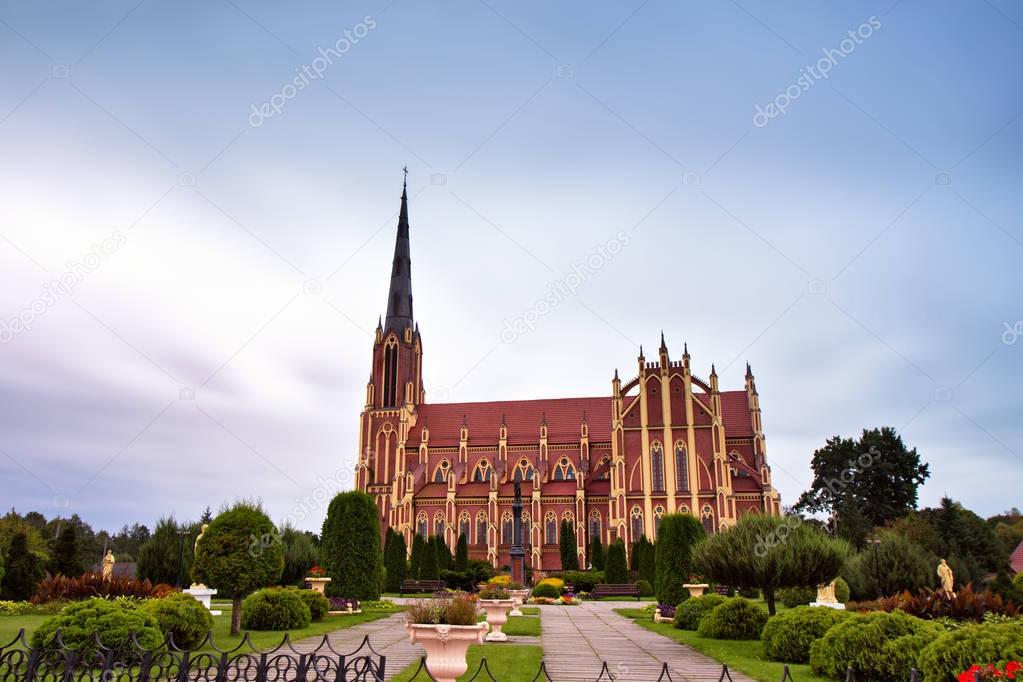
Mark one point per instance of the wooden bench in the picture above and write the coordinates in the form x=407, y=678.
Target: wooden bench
x=415, y=586
x=613, y=590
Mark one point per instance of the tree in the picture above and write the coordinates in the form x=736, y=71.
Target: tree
x=22, y=570
x=165, y=558
x=416, y=560
x=394, y=560
x=617, y=571
x=770, y=552
x=677, y=537
x=462, y=553
x=65, y=554
x=300, y=553
x=597, y=558
x=893, y=564
x=13, y=523
x=444, y=559
x=87, y=551
x=566, y=545
x=647, y=561
x=350, y=546
x=877, y=473
x=234, y=557
x=429, y=570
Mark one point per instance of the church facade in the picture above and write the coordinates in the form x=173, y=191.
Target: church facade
x=662, y=441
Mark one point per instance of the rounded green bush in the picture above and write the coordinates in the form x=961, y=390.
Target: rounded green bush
x=79, y=620
x=749, y=592
x=275, y=608
x=842, y=591
x=877, y=646
x=182, y=617
x=792, y=597
x=787, y=636
x=953, y=652
x=645, y=590
x=737, y=618
x=691, y=611
x=546, y=590
x=317, y=603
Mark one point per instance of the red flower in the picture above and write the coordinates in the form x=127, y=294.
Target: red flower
x=1011, y=668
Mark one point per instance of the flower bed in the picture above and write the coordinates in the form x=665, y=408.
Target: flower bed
x=343, y=605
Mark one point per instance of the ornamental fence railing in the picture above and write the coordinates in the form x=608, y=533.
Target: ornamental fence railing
x=96, y=662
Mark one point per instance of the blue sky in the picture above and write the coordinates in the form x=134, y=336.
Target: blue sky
x=861, y=249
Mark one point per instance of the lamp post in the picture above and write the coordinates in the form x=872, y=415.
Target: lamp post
x=517, y=552
x=876, y=542
x=183, y=533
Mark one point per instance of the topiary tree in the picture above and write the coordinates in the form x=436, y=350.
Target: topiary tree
x=875, y=646
x=65, y=554
x=80, y=621
x=462, y=553
x=232, y=557
x=416, y=560
x=22, y=570
x=678, y=535
x=567, y=548
x=275, y=609
x=182, y=617
x=770, y=552
x=736, y=618
x=617, y=571
x=787, y=636
x=394, y=560
x=350, y=547
x=429, y=570
x=597, y=559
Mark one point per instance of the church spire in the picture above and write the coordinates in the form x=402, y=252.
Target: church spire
x=399, y=297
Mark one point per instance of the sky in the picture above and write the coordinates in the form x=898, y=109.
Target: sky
x=198, y=203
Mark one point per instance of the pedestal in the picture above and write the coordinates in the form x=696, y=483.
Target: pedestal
x=696, y=589
x=318, y=584
x=838, y=606
x=203, y=594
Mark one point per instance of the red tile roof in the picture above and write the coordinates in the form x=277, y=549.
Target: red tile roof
x=1016, y=560
x=735, y=414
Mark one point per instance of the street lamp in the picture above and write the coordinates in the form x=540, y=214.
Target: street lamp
x=876, y=542
x=183, y=533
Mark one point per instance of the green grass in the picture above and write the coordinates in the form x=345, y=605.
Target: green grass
x=530, y=610
x=742, y=655
x=525, y=626
x=506, y=662
x=9, y=626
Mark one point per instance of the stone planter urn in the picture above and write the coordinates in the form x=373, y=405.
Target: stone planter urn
x=318, y=584
x=696, y=589
x=497, y=615
x=446, y=647
x=520, y=597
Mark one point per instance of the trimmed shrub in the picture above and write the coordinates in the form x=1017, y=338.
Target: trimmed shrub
x=181, y=617
x=350, y=547
x=275, y=608
x=546, y=590
x=644, y=587
x=877, y=646
x=14, y=608
x=787, y=636
x=673, y=556
x=78, y=621
x=557, y=583
x=953, y=652
x=691, y=611
x=792, y=597
x=617, y=572
x=749, y=592
x=842, y=591
x=582, y=581
x=317, y=603
x=737, y=618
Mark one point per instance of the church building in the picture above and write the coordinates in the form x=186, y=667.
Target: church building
x=663, y=441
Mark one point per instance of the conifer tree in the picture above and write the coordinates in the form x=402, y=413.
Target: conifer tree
x=617, y=571
x=65, y=554
x=429, y=570
x=569, y=557
x=462, y=553
x=597, y=558
x=21, y=571
x=394, y=558
x=416, y=562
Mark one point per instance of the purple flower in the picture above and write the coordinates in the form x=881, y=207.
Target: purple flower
x=667, y=610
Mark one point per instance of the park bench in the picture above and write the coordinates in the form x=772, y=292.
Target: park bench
x=613, y=590
x=414, y=586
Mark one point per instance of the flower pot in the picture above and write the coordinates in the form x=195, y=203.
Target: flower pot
x=318, y=584
x=697, y=589
x=497, y=615
x=520, y=597
x=446, y=647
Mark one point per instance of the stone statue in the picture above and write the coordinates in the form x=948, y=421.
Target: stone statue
x=202, y=531
x=108, y=564
x=947, y=579
x=826, y=593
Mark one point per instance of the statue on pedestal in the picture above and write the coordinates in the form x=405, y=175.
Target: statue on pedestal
x=108, y=564
x=826, y=593
x=947, y=578
x=195, y=553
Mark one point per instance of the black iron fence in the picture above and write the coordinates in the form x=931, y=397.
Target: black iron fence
x=20, y=662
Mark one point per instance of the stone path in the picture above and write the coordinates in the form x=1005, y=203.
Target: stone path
x=387, y=635
x=577, y=638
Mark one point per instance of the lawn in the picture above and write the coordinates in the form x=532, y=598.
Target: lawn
x=506, y=662
x=744, y=656
x=9, y=626
x=530, y=610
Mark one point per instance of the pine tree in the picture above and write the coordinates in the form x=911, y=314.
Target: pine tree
x=647, y=562
x=677, y=537
x=65, y=554
x=350, y=546
x=394, y=559
x=597, y=559
x=462, y=553
x=165, y=557
x=444, y=559
x=429, y=570
x=569, y=557
x=416, y=561
x=22, y=571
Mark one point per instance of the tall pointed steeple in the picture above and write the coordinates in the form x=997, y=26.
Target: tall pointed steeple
x=399, y=297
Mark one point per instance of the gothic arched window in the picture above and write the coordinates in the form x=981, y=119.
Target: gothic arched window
x=595, y=526
x=637, y=524
x=463, y=525
x=523, y=472
x=440, y=474
x=439, y=525
x=482, y=472
x=658, y=517
x=390, y=372
x=506, y=528
x=708, y=519
x=481, y=528
x=681, y=467
x=550, y=525
x=526, y=531
x=657, y=467
x=564, y=471
x=422, y=525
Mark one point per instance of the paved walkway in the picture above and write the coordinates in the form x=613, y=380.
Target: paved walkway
x=577, y=638
x=387, y=635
